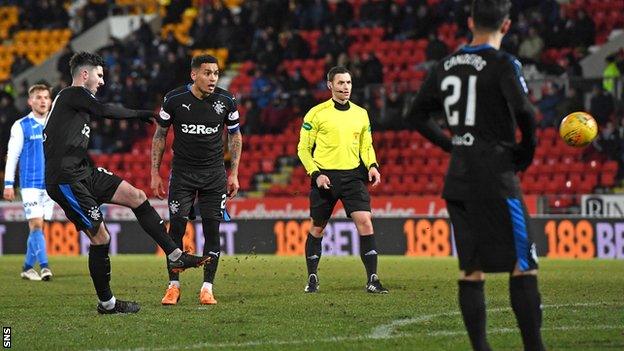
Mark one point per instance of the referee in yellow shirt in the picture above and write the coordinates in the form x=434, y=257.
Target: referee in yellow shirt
x=335, y=138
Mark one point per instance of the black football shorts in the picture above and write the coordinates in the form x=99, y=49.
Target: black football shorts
x=209, y=186
x=492, y=235
x=347, y=186
x=81, y=200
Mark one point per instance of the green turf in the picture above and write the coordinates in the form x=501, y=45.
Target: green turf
x=262, y=307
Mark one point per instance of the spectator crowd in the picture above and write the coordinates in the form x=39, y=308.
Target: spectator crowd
x=143, y=68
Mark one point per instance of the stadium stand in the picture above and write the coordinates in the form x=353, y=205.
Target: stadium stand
x=277, y=62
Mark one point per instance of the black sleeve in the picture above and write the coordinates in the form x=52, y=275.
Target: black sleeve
x=426, y=102
x=164, y=116
x=232, y=118
x=514, y=88
x=84, y=101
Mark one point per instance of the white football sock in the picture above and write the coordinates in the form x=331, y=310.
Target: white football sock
x=175, y=283
x=110, y=304
x=208, y=286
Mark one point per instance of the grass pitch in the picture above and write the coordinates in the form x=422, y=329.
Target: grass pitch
x=262, y=306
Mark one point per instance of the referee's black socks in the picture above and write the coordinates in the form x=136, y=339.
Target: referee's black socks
x=368, y=254
x=151, y=222
x=99, y=268
x=313, y=251
x=526, y=304
x=472, y=305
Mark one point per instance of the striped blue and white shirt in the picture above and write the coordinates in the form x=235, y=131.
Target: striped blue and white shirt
x=26, y=146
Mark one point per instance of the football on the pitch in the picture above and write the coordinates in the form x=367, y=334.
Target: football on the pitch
x=578, y=129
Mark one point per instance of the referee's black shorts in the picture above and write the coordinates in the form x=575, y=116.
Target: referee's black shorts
x=348, y=186
x=209, y=186
x=492, y=235
x=81, y=200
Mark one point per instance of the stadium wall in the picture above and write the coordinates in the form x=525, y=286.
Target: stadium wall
x=422, y=236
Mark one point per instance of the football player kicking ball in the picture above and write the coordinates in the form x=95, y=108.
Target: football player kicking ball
x=199, y=112
x=484, y=96
x=80, y=189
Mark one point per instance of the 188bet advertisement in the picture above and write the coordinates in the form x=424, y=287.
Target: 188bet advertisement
x=283, y=232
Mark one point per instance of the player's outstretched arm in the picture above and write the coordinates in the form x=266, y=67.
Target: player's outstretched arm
x=235, y=146
x=158, y=148
x=85, y=101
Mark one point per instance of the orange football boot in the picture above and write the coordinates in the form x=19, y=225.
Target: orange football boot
x=206, y=297
x=172, y=295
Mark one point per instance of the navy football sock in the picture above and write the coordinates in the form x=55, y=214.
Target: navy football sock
x=526, y=303
x=472, y=305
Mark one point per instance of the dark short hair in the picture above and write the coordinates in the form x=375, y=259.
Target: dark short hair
x=81, y=59
x=490, y=14
x=199, y=60
x=336, y=70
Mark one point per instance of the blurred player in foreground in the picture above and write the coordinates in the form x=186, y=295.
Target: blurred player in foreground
x=484, y=96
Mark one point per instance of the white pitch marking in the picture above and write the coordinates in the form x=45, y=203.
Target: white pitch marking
x=439, y=333
x=384, y=332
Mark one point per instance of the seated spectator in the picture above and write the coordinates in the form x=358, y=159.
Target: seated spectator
x=20, y=64
x=275, y=116
x=313, y=14
x=601, y=105
x=608, y=142
x=342, y=38
x=326, y=43
x=551, y=97
x=175, y=11
x=531, y=47
x=293, y=46
x=252, y=117
x=270, y=57
x=372, y=69
x=343, y=12
x=571, y=103
x=262, y=89
x=202, y=31
x=582, y=30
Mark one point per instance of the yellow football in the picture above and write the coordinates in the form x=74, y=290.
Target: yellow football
x=578, y=129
